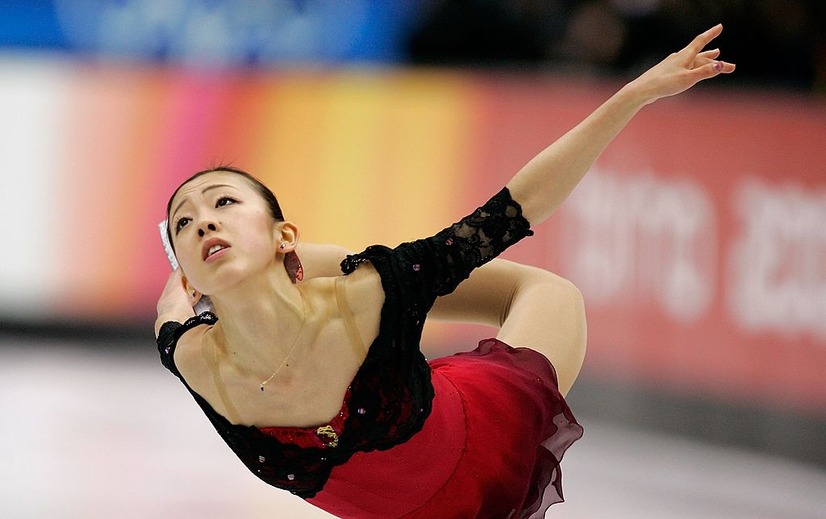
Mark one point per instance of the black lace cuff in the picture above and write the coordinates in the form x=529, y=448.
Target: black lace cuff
x=171, y=331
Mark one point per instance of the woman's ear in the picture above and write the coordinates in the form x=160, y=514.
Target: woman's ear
x=287, y=241
x=193, y=295
x=286, y=237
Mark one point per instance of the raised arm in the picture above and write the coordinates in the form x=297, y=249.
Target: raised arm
x=547, y=180
x=321, y=259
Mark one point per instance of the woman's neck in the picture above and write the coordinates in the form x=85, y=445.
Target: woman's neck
x=259, y=323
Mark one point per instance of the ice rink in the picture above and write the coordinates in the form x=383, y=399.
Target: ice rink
x=104, y=431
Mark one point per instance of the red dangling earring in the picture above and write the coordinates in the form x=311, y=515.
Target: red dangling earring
x=293, y=266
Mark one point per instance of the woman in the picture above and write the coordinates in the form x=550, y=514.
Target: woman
x=315, y=379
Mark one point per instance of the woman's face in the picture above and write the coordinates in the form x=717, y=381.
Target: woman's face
x=222, y=231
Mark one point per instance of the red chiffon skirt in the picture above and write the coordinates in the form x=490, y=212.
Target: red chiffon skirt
x=490, y=449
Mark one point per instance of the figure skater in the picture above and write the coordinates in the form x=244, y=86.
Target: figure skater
x=309, y=365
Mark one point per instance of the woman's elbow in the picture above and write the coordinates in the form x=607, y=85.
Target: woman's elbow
x=548, y=315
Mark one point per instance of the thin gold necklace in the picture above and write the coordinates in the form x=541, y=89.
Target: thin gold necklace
x=292, y=347
x=289, y=352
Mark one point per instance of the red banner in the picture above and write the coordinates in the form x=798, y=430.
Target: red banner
x=698, y=240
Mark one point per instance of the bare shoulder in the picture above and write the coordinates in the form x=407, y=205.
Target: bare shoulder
x=189, y=358
x=364, y=290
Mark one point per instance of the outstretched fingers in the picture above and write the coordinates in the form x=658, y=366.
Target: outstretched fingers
x=703, y=39
x=682, y=70
x=707, y=62
x=704, y=64
x=709, y=54
x=710, y=69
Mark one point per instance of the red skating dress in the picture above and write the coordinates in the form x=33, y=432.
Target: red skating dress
x=474, y=435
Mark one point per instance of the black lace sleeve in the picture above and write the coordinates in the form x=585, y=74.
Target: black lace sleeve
x=447, y=258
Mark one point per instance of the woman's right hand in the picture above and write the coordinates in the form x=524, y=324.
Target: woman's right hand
x=174, y=303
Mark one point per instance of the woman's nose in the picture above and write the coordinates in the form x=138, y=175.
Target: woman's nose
x=209, y=226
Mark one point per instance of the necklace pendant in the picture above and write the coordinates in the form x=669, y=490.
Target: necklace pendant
x=262, y=388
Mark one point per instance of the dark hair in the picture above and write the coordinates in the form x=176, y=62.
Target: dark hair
x=264, y=191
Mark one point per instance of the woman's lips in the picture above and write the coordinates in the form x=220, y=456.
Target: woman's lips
x=217, y=254
x=213, y=247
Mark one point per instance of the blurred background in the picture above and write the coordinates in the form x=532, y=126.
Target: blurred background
x=697, y=239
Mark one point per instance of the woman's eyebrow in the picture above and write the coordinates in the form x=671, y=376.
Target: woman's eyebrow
x=204, y=190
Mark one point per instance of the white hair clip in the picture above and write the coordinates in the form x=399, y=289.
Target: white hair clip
x=203, y=304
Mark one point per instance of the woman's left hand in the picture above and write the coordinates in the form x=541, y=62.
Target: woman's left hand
x=682, y=70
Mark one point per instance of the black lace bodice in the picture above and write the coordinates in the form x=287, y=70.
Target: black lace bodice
x=391, y=394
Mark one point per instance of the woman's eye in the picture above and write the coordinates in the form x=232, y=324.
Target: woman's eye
x=224, y=200
x=181, y=223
